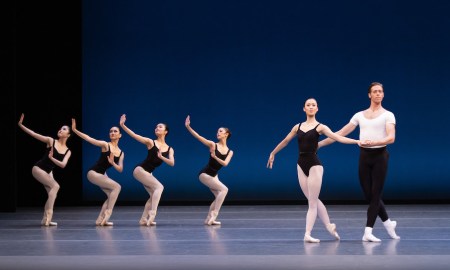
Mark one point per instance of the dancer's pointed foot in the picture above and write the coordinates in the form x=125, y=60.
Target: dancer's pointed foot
x=51, y=223
x=212, y=217
x=108, y=213
x=390, y=228
x=215, y=222
x=99, y=220
x=332, y=230
x=143, y=221
x=47, y=219
x=151, y=218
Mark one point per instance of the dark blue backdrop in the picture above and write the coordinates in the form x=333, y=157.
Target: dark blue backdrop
x=250, y=65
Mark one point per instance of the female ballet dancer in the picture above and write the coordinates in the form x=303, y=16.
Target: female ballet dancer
x=57, y=154
x=111, y=156
x=220, y=155
x=157, y=152
x=309, y=167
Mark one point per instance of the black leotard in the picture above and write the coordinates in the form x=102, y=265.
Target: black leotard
x=102, y=163
x=307, y=148
x=152, y=161
x=45, y=163
x=213, y=167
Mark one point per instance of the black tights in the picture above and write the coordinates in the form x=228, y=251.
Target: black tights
x=373, y=164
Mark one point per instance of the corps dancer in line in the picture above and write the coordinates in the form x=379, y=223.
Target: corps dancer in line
x=111, y=156
x=377, y=130
x=56, y=154
x=157, y=152
x=309, y=167
x=220, y=155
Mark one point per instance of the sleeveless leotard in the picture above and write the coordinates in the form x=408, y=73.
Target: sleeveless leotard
x=102, y=163
x=307, y=148
x=152, y=161
x=45, y=163
x=213, y=167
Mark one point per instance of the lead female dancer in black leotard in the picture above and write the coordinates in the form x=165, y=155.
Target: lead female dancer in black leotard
x=220, y=155
x=309, y=167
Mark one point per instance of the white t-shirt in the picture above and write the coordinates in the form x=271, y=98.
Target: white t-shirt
x=373, y=129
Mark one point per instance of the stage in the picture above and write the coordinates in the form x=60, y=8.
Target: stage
x=250, y=237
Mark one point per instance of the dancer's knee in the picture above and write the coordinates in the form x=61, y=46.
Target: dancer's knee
x=313, y=204
x=224, y=191
x=117, y=187
x=375, y=204
x=54, y=189
x=368, y=197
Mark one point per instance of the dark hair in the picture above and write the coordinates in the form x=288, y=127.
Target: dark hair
x=228, y=131
x=309, y=99
x=167, y=128
x=373, y=84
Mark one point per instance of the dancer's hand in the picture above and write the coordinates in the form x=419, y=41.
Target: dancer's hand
x=50, y=153
x=270, y=161
x=74, y=124
x=123, y=118
x=111, y=158
x=366, y=143
x=21, y=119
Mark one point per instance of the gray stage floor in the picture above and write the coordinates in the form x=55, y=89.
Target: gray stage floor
x=250, y=237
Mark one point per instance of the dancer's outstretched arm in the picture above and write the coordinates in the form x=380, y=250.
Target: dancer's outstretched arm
x=45, y=139
x=210, y=144
x=281, y=145
x=99, y=143
x=137, y=137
